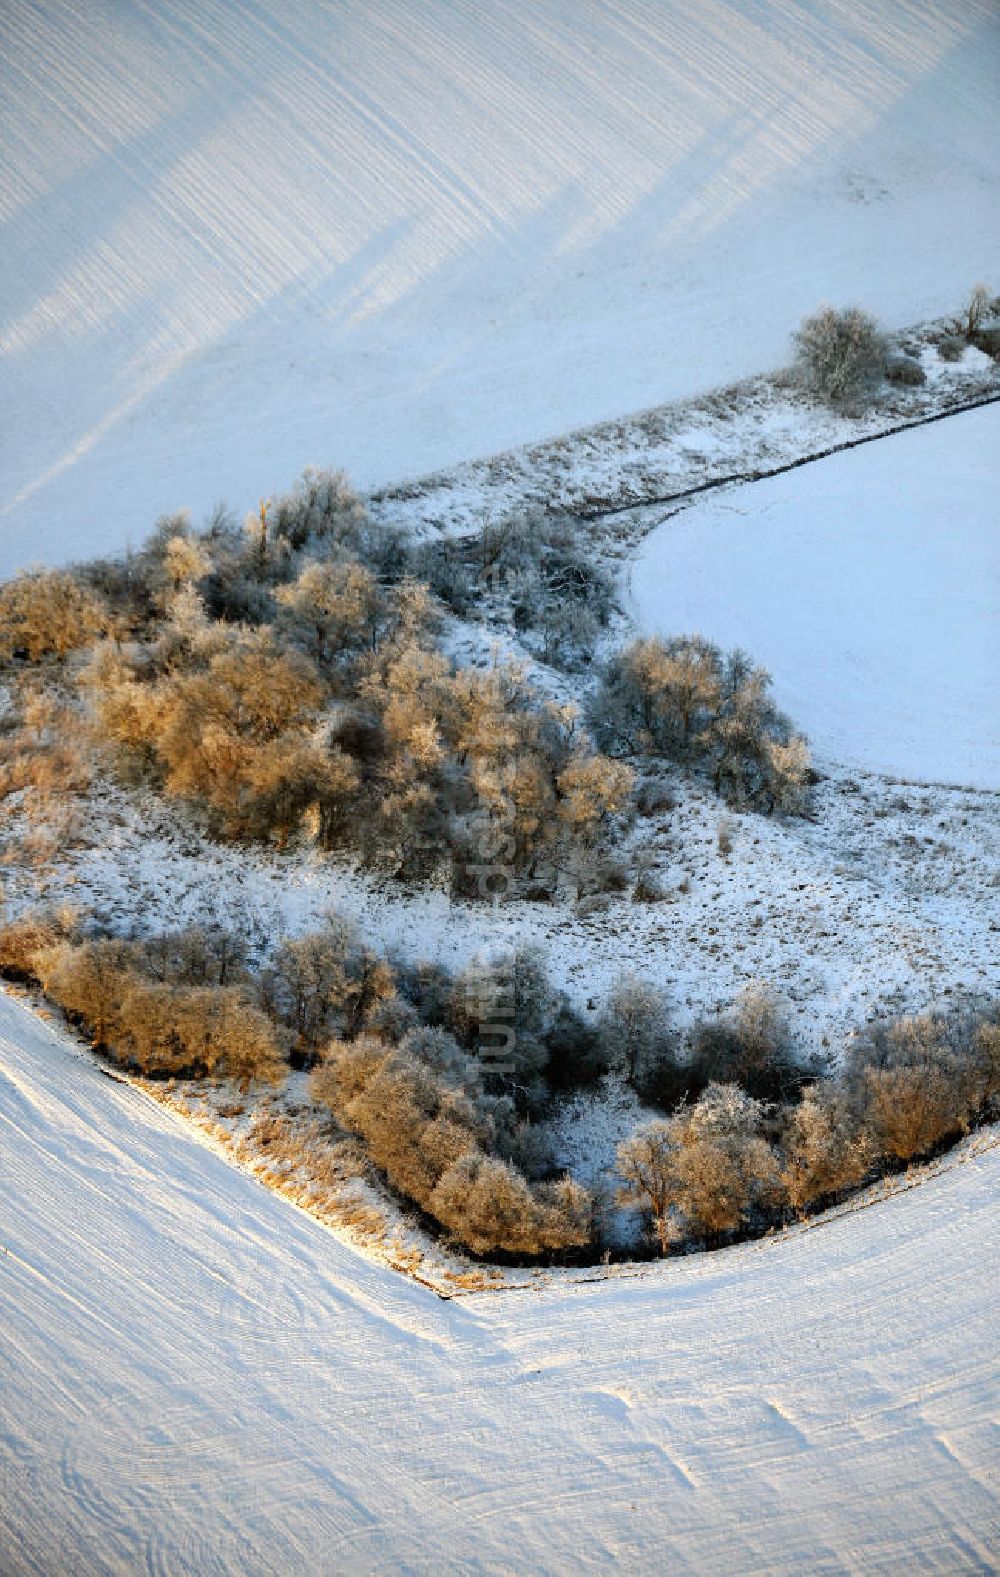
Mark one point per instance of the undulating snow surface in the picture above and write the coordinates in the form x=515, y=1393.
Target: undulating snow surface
x=196, y=1378
x=869, y=585
x=391, y=235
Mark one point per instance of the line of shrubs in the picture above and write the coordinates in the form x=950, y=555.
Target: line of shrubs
x=732, y=1164
x=749, y=1136
x=449, y=1136
x=844, y=356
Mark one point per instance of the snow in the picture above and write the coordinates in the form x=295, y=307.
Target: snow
x=869, y=585
x=243, y=238
x=196, y=1377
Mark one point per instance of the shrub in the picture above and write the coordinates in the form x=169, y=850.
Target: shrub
x=645, y=1163
x=430, y=1127
x=47, y=613
x=976, y=311
x=682, y=698
x=501, y=1006
x=722, y=1167
x=196, y=1032
x=322, y=507
x=576, y=1057
x=827, y=1149
x=648, y=887
x=904, y=370
x=842, y=354
x=653, y=798
x=751, y=1046
x=538, y=567
x=988, y=339
x=910, y=1110
x=334, y=608
x=986, y=1063
x=89, y=982
x=197, y=956
x=707, y=1168
x=923, y=1079
x=951, y=348
x=307, y=984
x=661, y=696
x=24, y=941
x=634, y=1029
x=43, y=746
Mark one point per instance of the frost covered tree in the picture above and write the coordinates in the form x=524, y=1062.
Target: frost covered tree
x=750, y=1046
x=979, y=306
x=634, y=1028
x=684, y=699
x=842, y=354
x=723, y=1167
x=335, y=606
x=827, y=1148
x=708, y=1163
x=645, y=1164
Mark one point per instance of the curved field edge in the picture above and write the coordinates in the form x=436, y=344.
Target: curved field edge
x=867, y=589
x=195, y=1378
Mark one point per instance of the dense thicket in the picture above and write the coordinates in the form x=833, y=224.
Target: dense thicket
x=287, y=678
x=447, y=1079
x=447, y=1143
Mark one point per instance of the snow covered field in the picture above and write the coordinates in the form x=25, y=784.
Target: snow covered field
x=238, y=239
x=869, y=585
x=195, y=1377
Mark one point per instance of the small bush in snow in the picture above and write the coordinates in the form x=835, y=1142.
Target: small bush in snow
x=904, y=370
x=987, y=339
x=951, y=348
x=842, y=354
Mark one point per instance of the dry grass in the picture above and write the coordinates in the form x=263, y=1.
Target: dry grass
x=300, y=1156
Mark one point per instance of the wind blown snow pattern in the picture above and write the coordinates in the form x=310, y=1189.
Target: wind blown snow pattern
x=869, y=585
x=238, y=239
x=198, y=1378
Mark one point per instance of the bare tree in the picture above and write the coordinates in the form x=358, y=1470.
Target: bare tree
x=975, y=312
